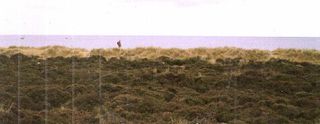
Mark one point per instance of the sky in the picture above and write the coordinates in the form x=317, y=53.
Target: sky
x=90, y=42
x=263, y=24
x=277, y=18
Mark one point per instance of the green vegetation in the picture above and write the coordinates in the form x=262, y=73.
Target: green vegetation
x=163, y=90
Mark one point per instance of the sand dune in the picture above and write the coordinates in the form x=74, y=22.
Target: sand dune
x=211, y=54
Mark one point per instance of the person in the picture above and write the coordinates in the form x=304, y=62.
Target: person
x=119, y=46
x=119, y=43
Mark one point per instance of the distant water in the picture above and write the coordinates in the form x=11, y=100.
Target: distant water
x=89, y=42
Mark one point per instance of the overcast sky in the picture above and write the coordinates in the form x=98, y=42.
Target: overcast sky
x=90, y=42
x=161, y=17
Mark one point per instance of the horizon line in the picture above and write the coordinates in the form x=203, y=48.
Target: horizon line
x=88, y=35
x=152, y=47
x=134, y=41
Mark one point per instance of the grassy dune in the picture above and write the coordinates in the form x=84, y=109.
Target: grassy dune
x=210, y=54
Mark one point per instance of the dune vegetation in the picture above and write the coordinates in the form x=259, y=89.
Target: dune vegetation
x=161, y=86
x=210, y=54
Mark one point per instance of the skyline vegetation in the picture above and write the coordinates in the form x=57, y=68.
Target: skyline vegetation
x=210, y=54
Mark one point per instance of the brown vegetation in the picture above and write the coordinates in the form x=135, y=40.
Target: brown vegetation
x=162, y=90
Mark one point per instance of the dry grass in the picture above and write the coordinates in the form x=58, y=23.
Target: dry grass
x=179, y=121
x=45, y=52
x=297, y=55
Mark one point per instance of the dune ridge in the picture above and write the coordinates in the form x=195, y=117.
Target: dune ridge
x=210, y=54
